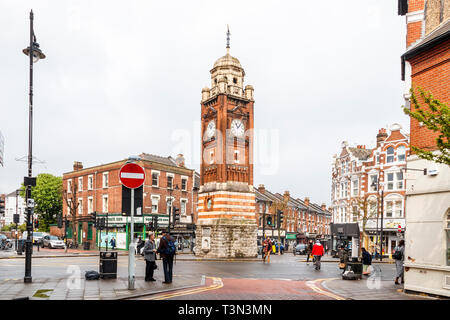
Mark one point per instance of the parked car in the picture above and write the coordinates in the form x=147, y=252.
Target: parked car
x=52, y=242
x=37, y=236
x=300, y=249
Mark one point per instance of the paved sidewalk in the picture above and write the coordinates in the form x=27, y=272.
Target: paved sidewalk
x=81, y=289
x=369, y=289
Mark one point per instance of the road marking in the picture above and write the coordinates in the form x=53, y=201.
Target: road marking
x=217, y=284
x=312, y=285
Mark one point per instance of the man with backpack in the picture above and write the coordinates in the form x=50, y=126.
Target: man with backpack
x=167, y=251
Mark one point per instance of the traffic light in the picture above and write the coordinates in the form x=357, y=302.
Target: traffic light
x=280, y=217
x=16, y=218
x=269, y=221
x=176, y=215
x=150, y=224
x=36, y=223
x=155, y=223
x=102, y=223
x=2, y=206
x=60, y=221
x=93, y=216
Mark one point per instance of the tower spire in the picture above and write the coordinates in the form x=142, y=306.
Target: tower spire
x=228, y=39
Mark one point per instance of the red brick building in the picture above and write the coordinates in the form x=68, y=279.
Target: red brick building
x=426, y=64
x=98, y=189
x=302, y=219
x=358, y=176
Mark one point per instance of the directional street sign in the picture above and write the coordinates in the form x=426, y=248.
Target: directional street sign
x=132, y=175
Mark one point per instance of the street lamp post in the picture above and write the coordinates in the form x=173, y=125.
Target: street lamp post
x=382, y=214
x=35, y=54
x=171, y=206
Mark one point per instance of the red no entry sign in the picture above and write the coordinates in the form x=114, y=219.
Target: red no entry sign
x=132, y=175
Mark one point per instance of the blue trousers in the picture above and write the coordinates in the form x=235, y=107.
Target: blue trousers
x=168, y=268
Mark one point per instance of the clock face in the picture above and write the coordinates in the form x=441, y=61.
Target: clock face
x=211, y=129
x=237, y=128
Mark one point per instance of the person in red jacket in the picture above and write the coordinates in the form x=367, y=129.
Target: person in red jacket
x=317, y=251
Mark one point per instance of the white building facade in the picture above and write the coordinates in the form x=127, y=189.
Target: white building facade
x=14, y=203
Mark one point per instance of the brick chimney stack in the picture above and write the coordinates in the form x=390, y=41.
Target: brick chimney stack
x=180, y=160
x=324, y=207
x=286, y=196
x=262, y=189
x=306, y=201
x=381, y=136
x=77, y=165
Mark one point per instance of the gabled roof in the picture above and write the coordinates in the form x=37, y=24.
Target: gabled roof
x=437, y=36
x=361, y=154
x=260, y=196
x=298, y=203
x=344, y=152
x=310, y=207
x=169, y=161
x=395, y=135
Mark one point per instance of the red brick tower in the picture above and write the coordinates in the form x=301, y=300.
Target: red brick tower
x=226, y=201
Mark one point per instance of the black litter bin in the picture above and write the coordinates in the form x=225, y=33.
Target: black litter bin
x=108, y=264
x=356, y=268
x=86, y=245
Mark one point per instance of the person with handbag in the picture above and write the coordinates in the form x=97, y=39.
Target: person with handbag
x=399, y=257
x=149, y=256
x=267, y=245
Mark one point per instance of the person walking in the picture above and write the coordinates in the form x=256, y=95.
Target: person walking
x=167, y=250
x=308, y=251
x=366, y=260
x=150, y=257
x=113, y=243
x=317, y=251
x=267, y=248
x=139, y=245
x=399, y=256
x=343, y=258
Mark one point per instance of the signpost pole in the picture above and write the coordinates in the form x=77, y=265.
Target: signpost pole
x=131, y=247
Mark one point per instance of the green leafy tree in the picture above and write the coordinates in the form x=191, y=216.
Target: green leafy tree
x=435, y=115
x=47, y=195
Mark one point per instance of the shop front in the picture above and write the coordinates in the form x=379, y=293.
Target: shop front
x=291, y=240
x=391, y=236
x=118, y=227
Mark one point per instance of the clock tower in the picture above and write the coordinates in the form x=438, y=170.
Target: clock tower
x=226, y=226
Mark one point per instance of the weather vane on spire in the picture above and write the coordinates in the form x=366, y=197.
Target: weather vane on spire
x=228, y=39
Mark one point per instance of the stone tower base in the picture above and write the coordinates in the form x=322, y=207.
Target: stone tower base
x=226, y=238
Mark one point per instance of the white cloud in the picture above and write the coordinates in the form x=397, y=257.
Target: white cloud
x=122, y=78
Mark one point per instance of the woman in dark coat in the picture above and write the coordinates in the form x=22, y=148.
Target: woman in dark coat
x=366, y=260
x=149, y=256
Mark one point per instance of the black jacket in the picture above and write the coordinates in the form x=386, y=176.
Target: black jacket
x=163, y=244
x=366, y=258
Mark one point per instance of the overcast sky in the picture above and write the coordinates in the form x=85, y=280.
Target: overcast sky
x=125, y=77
